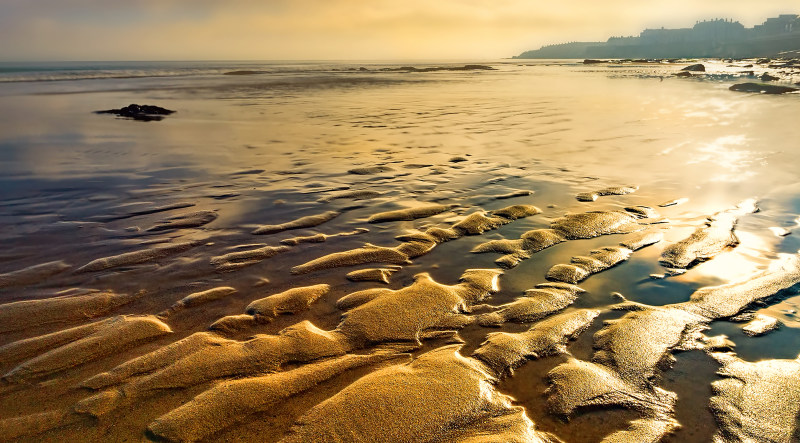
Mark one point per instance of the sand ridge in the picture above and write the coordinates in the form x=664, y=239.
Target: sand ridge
x=293, y=340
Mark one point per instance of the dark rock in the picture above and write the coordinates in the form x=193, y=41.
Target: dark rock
x=143, y=113
x=785, y=64
x=475, y=68
x=370, y=170
x=763, y=61
x=762, y=88
x=589, y=61
x=440, y=68
x=748, y=66
x=695, y=68
x=683, y=74
x=244, y=72
x=768, y=78
x=363, y=69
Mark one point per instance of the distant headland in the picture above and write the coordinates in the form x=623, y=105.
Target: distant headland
x=778, y=36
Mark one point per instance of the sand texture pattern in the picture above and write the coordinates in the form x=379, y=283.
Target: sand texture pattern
x=532, y=251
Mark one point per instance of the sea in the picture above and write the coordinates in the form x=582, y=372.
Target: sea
x=255, y=143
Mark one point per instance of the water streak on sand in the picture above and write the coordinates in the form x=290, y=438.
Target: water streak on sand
x=632, y=349
x=708, y=240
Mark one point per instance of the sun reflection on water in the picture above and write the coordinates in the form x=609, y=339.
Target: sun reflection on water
x=725, y=153
x=751, y=255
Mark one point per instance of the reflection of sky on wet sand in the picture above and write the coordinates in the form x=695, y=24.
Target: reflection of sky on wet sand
x=522, y=115
x=724, y=154
x=673, y=137
x=747, y=258
x=565, y=124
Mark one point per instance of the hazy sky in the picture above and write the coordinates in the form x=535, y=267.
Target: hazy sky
x=337, y=29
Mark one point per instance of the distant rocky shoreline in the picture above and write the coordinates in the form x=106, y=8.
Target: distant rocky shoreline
x=777, y=36
x=780, y=71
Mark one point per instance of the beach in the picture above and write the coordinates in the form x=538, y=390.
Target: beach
x=319, y=251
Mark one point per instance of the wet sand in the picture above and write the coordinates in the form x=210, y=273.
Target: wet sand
x=531, y=253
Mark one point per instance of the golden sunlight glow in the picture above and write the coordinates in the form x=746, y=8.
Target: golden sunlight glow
x=746, y=259
x=336, y=29
x=724, y=153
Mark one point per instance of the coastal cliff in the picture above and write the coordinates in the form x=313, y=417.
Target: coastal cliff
x=715, y=38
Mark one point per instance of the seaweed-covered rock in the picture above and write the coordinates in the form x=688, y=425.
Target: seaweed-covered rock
x=762, y=88
x=699, y=67
x=145, y=113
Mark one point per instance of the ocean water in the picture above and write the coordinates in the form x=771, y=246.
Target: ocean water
x=281, y=141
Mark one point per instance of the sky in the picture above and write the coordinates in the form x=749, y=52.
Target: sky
x=50, y=30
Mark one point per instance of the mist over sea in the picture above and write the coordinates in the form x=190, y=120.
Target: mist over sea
x=256, y=144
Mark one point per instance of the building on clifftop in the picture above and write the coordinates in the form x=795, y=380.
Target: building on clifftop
x=710, y=38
